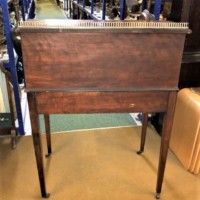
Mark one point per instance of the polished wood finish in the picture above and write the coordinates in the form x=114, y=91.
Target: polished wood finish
x=144, y=131
x=37, y=142
x=105, y=102
x=166, y=133
x=84, y=55
x=92, y=71
x=48, y=134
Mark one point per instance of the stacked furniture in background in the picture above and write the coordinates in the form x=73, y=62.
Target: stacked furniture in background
x=185, y=138
x=186, y=134
x=7, y=120
x=186, y=11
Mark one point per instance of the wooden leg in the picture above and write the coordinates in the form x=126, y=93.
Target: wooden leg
x=48, y=134
x=166, y=133
x=12, y=105
x=37, y=142
x=144, y=131
x=13, y=139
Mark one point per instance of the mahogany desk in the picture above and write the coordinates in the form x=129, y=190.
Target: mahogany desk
x=101, y=67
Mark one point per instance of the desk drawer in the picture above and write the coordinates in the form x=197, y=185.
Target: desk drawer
x=100, y=102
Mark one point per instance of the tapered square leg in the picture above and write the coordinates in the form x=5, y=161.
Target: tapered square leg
x=48, y=134
x=165, y=138
x=144, y=131
x=37, y=142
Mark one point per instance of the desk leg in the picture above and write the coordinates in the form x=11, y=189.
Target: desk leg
x=37, y=142
x=166, y=133
x=144, y=131
x=48, y=134
x=13, y=138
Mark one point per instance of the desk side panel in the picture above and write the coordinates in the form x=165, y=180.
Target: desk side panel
x=102, y=61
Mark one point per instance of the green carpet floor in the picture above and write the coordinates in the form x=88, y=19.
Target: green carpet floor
x=68, y=122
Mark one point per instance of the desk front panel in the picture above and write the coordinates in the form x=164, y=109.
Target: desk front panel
x=102, y=61
x=101, y=102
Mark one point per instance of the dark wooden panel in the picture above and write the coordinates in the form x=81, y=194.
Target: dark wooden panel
x=5, y=131
x=102, y=61
x=192, y=42
x=101, y=102
x=190, y=75
x=180, y=10
x=188, y=11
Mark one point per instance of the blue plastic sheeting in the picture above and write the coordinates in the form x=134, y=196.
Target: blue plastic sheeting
x=11, y=65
